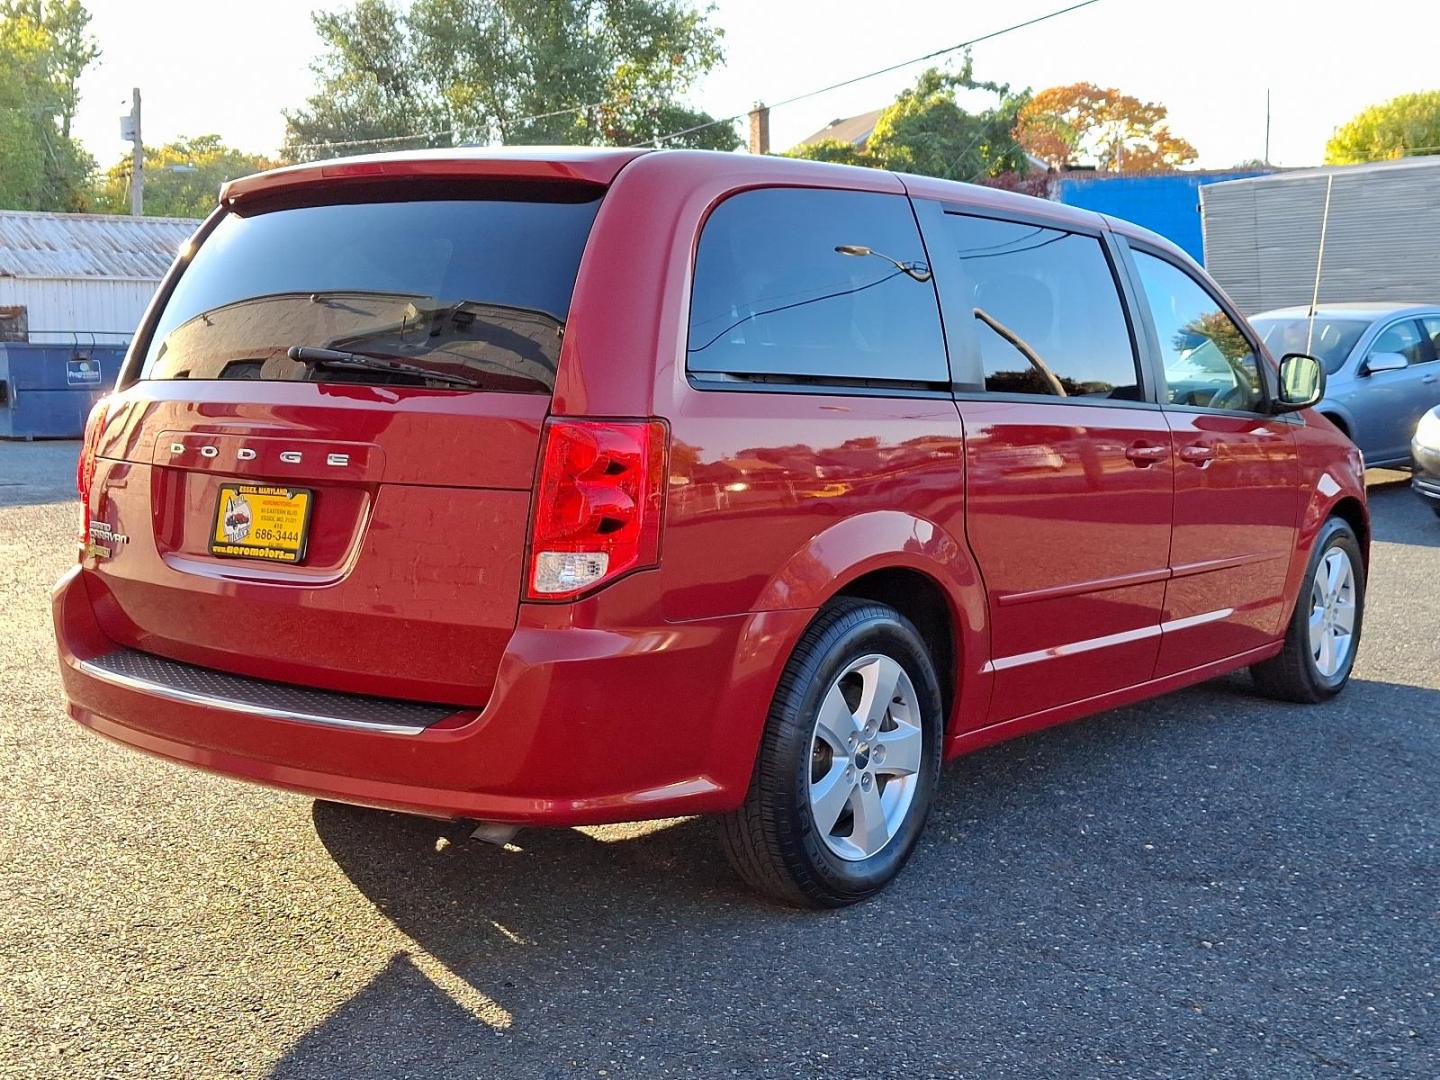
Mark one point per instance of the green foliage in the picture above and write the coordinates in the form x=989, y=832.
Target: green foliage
x=182, y=178
x=1403, y=126
x=508, y=71
x=835, y=151
x=926, y=131
x=43, y=50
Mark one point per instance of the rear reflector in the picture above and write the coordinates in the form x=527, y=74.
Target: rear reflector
x=598, y=504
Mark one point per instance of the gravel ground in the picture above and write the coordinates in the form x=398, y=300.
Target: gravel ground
x=1203, y=885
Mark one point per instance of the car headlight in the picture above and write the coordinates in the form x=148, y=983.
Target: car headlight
x=1427, y=433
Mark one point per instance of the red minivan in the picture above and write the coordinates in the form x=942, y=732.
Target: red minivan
x=569, y=486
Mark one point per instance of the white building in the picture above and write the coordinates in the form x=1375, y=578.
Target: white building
x=81, y=277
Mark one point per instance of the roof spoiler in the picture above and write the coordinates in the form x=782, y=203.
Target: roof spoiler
x=583, y=165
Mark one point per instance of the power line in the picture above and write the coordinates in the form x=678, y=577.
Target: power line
x=453, y=132
x=450, y=132
x=881, y=71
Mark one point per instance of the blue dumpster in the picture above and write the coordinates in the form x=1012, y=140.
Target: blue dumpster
x=46, y=390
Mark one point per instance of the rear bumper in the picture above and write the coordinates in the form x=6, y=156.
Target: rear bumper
x=585, y=725
x=1427, y=487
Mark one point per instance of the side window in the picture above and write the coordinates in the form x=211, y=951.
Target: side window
x=1403, y=338
x=804, y=282
x=1208, y=359
x=1431, y=326
x=1048, y=316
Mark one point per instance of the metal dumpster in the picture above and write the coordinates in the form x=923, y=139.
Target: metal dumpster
x=46, y=390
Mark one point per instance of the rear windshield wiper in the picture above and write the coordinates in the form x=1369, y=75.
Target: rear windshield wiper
x=354, y=361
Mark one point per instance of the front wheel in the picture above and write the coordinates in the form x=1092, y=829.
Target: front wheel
x=848, y=762
x=1324, y=632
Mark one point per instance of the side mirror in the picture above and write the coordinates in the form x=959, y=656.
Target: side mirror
x=1383, y=361
x=1302, y=382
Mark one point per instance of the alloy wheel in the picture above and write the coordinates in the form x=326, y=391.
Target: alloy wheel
x=865, y=755
x=1332, y=613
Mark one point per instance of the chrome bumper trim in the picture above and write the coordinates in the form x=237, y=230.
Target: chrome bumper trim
x=95, y=669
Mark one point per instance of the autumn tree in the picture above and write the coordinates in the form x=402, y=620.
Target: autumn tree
x=182, y=178
x=444, y=72
x=927, y=131
x=44, y=47
x=1408, y=125
x=1118, y=131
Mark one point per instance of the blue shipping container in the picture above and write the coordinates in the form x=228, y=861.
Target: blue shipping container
x=46, y=390
x=1166, y=203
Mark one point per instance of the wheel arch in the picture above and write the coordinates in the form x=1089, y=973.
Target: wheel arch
x=1337, y=416
x=1350, y=510
x=921, y=599
x=919, y=568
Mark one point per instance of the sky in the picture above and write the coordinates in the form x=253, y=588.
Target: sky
x=206, y=66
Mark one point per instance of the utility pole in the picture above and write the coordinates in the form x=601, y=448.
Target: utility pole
x=1267, y=125
x=130, y=129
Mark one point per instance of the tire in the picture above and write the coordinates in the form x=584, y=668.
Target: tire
x=1297, y=673
x=774, y=840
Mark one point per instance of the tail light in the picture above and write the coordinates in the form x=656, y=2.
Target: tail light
x=85, y=469
x=598, y=504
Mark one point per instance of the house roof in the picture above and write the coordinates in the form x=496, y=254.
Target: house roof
x=854, y=130
x=35, y=244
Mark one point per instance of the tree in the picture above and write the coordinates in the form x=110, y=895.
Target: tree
x=1403, y=126
x=926, y=131
x=182, y=178
x=835, y=151
x=442, y=72
x=43, y=50
x=1120, y=132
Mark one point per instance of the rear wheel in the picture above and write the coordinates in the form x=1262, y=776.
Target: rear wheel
x=848, y=763
x=1324, y=631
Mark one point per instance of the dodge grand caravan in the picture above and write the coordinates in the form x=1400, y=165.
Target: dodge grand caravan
x=567, y=486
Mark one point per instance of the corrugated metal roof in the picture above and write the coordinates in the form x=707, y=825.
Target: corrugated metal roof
x=43, y=245
x=1262, y=235
x=1284, y=176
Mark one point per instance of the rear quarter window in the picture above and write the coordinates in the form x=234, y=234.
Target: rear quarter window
x=773, y=297
x=473, y=291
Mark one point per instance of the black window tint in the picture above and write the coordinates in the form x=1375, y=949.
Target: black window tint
x=466, y=291
x=1047, y=312
x=774, y=297
x=1208, y=359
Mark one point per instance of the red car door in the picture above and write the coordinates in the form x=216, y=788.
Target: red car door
x=1068, y=463
x=1237, y=496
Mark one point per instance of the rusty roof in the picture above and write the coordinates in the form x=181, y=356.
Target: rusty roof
x=36, y=244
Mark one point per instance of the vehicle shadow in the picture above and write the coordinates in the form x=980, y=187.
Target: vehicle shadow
x=624, y=946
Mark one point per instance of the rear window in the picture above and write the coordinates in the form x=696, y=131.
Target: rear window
x=444, y=292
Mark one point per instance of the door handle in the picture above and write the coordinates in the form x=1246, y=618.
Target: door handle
x=1143, y=455
x=1197, y=454
x=1428, y=378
